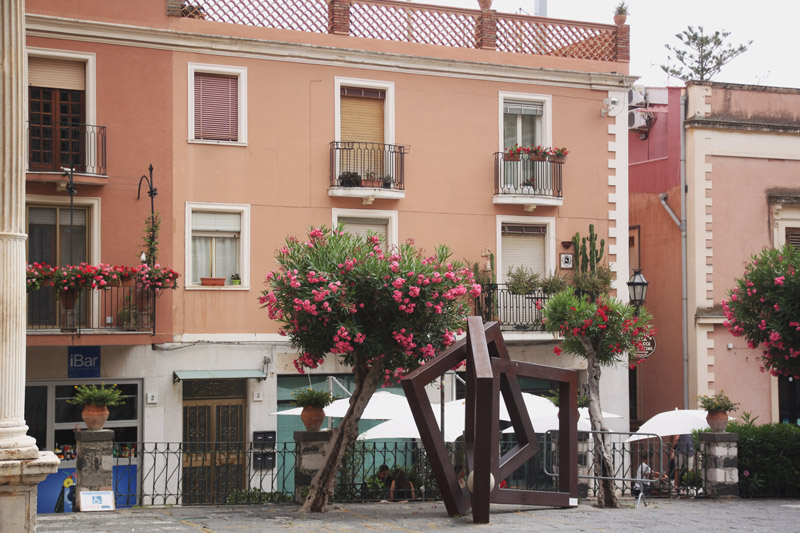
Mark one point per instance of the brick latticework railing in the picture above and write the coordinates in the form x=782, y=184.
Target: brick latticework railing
x=413, y=23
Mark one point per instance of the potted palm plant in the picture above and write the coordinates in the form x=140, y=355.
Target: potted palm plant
x=620, y=13
x=313, y=403
x=96, y=399
x=717, y=406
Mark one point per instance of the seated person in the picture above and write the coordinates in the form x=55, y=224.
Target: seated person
x=643, y=474
x=386, y=480
x=402, y=489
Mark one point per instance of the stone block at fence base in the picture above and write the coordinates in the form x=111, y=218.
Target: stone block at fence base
x=310, y=455
x=721, y=464
x=94, y=454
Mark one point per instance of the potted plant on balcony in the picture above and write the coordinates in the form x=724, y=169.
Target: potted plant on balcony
x=388, y=181
x=236, y=279
x=717, y=407
x=96, y=401
x=127, y=314
x=313, y=403
x=350, y=179
x=212, y=282
x=620, y=13
x=522, y=281
x=513, y=154
x=557, y=155
x=538, y=153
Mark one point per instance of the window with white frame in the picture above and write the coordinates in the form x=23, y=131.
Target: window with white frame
x=525, y=241
x=363, y=221
x=217, y=104
x=218, y=242
x=62, y=128
x=525, y=119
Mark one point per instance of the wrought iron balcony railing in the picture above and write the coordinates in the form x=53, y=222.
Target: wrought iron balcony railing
x=515, y=312
x=111, y=309
x=54, y=146
x=364, y=164
x=527, y=176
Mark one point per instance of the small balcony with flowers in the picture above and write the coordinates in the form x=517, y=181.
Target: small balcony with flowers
x=87, y=299
x=367, y=170
x=530, y=176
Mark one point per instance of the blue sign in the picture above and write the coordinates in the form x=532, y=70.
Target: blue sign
x=84, y=362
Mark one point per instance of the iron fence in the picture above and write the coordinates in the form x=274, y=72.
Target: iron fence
x=109, y=309
x=528, y=176
x=515, y=312
x=365, y=164
x=180, y=473
x=53, y=146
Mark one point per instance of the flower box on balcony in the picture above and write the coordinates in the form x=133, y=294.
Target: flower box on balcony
x=212, y=282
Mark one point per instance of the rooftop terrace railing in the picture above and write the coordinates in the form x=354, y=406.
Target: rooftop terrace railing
x=420, y=23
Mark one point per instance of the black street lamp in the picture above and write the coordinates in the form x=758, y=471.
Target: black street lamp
x=637, y=289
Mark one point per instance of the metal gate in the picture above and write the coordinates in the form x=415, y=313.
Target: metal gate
x=214, y=459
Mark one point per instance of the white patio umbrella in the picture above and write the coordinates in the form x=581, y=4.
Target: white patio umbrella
x=405, y=427
x=550, y=423
x=536, y=406
x=383, y=405
x=677, y=422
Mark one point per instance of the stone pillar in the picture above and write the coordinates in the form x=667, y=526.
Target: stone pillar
x=309, y=458
x=721, y=464
x=22, y=466
x=94, y=452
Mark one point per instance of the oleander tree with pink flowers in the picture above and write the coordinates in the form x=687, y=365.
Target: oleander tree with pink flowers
x=381, y=311
x=764, y=308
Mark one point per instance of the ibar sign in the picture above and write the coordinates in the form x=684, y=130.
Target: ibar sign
x=83, y=362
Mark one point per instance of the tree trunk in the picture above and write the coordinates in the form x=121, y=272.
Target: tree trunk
x=603, y=465
x=342, y=437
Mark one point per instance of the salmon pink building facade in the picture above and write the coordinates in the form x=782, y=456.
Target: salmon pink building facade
x=264, y=119
x=741, y=146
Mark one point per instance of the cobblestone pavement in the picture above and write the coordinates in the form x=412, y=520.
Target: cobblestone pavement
x=660, y=515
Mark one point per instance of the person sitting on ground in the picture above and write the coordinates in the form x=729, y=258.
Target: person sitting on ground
x=643, y=474
x=402, y=489
x=385, y=480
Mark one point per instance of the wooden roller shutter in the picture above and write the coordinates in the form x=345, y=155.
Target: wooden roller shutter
x=216, y=107
x=56, y=73
x=361, y=119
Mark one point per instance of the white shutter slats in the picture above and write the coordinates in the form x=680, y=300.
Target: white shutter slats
x=216, y=107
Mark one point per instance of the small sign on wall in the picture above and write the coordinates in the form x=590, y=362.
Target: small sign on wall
x=97, y=500
x=566, y=261
x=83, y=362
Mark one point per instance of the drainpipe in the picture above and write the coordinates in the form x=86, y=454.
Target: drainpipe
x=681, y=223
x=684, y=288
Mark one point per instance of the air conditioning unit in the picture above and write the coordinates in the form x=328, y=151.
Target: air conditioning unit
x=637, y=120
x=637, y=96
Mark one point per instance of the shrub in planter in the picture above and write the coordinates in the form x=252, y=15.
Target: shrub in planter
x=522, y=281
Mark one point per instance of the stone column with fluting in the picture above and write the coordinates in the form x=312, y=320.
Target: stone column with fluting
x=21, y=463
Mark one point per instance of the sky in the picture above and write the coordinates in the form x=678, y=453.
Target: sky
x=772, y=25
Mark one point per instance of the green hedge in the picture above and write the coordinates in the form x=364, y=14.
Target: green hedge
x=769, y=460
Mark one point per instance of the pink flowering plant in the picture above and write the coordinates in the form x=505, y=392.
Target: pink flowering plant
x=74, y=277
x=38, y=275
x=156, y=277
x=764, y=308
x=87, y=276
x=381, y=311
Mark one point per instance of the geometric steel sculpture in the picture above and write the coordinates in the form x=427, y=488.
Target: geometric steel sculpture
x=491, y=374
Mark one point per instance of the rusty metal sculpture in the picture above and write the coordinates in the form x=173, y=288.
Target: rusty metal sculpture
x=491, y=372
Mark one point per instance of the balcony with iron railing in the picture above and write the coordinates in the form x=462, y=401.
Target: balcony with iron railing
x=528, y=181
x=53, y=147
x=108, y=310
x=515, y=312
x=425, y=24
x=367, y=170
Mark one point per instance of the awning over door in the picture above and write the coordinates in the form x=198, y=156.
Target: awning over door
x=180, y=375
